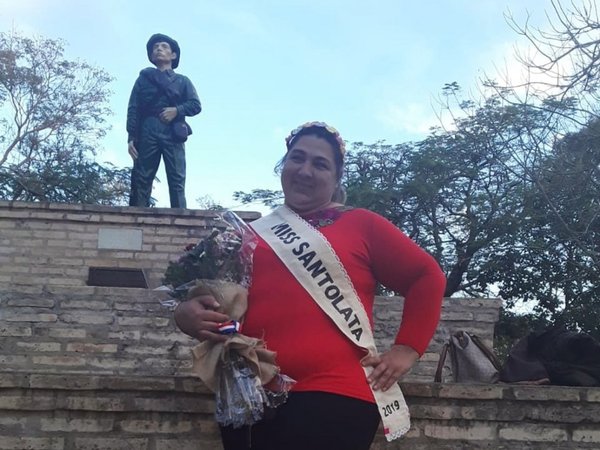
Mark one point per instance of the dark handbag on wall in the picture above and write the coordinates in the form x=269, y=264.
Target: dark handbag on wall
x=471, y=360
x=556, y=356
x=181, y=130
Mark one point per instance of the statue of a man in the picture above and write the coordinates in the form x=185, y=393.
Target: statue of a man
x=159, y=103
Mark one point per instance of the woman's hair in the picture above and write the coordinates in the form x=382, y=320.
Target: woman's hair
x=323, y=131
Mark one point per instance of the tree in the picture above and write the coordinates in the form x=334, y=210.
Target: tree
x=563, y=80
x=535, y=236
x=268, y=197
x=559, y=268
x=208, y=203
x=456, y=193
x=52, y=115
x=66, y=178
x=374, y=177
x=565, y=58
x=459, y=192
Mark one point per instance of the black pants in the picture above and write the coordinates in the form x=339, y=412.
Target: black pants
x=155, y=142
x=309, y=421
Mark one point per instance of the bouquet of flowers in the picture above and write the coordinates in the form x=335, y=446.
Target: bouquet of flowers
x=238, y=369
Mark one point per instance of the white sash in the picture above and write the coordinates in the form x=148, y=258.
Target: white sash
x=311, y=260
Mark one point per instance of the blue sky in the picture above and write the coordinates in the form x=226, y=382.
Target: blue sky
x=261, y=67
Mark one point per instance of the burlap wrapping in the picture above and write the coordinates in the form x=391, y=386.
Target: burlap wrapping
x=208, y=355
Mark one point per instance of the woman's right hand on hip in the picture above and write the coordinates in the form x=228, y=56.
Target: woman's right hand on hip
x=199, y=318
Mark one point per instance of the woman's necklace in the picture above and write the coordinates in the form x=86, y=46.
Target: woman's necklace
x=325, y=216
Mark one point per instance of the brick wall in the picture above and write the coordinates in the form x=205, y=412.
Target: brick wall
x=67, y=412
x=85, y=367
x=55, y=244
x=52, y=321
x=101, y=330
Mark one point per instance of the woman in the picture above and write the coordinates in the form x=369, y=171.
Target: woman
x=311, y=300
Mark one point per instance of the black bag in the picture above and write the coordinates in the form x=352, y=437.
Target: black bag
x=181, y=130
x=522, y=366
x=566, y=358
x=472, y=361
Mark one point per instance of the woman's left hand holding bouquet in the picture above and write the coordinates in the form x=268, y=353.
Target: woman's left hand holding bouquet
x=199, y=317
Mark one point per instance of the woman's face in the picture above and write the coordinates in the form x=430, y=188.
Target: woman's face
x=308, y=176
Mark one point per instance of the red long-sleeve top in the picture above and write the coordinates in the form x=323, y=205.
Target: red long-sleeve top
x=310, y=348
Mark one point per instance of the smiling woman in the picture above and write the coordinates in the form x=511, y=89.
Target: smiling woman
x=315, y=272
x=312, y=168
x=309, y=176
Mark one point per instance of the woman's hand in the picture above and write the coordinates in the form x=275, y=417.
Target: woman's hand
x=390, y=366
x=199, y=318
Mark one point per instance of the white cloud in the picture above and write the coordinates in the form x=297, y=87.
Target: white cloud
x=412, y=118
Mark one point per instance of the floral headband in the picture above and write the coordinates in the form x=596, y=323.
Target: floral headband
x=335, y=133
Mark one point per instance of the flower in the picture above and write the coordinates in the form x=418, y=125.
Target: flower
x=225, y=254
x=331, y=130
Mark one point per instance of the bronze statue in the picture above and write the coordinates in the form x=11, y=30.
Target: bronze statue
x=159, y=103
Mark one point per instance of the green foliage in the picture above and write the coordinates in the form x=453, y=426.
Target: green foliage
x=555, y=262
x=206, y=202
x=70, y=179
x=558, y=264
x=52, y=114
x=373, y=176
x=266, y=196
x=458, y=193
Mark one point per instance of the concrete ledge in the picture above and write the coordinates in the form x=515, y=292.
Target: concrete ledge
x=56, y=208
x=78, y=382
x=158, y=412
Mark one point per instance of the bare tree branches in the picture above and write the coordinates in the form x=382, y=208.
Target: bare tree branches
x=42, y=94
x=52, y=113
x=563, y=58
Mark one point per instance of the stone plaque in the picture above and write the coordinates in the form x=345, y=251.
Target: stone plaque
x=119, y=239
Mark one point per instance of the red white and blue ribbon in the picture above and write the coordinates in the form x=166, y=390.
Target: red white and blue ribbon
x=231, y=327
